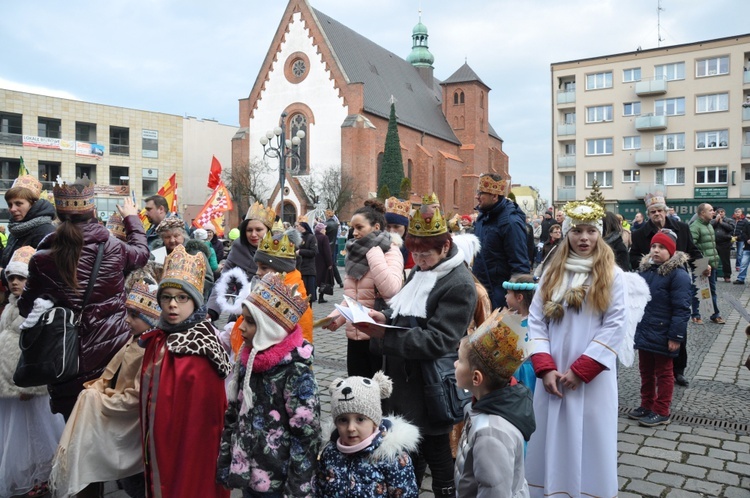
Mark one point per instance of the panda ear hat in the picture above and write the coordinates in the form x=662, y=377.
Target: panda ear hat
x=360, y=395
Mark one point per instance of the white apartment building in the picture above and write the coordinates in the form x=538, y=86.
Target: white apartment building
x=669, y=119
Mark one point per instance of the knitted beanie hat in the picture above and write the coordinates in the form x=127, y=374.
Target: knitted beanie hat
x=360, y=395
x=666, y=238
x=19, y=262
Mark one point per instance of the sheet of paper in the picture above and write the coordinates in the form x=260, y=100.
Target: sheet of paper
x=323, y=322
x=701, y=265
x=160, y=254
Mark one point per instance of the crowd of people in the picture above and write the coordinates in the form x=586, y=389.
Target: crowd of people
x=169, y=405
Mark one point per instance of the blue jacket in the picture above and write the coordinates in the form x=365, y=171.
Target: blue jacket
x=667, y=314
x=502, y=232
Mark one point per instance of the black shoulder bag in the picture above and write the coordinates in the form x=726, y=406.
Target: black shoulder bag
x=49, y=349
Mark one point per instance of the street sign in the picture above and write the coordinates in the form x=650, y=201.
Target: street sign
x=710, y=192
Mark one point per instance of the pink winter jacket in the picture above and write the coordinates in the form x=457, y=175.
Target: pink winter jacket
x=386, y=274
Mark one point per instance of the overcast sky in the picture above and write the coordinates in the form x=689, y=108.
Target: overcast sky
x=196, y=58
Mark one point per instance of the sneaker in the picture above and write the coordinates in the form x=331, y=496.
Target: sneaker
x=639, y=413
x=739, y=282
x=655, y=419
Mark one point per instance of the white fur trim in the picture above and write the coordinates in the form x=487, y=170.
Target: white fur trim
x=469, y=245
x=222, y=285
x=402, y=436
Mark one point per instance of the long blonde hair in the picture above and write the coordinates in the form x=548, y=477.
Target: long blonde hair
x=602, y=274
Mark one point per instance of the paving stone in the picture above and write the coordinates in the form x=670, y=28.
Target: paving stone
x=704, y=461
x=680, y=428
x=738, y=468
x=723, y=477
x=686, y=470
x=715, y=434
x=670, y=480
x=640, y=461
x=692, y=448
x=743, y=457
x=631, y=472
x=681, y=493
x=732, y=492
x=630, y=438
x=710, y=488
x=624, y=494
x=662, y=454
x=645, y=488
x=659, y=442
x=736, y=446
x=627, y=447
x=637, y=429
x=722, y=454
x=706, y=441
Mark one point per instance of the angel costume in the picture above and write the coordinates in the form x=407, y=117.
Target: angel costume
x=574, y=449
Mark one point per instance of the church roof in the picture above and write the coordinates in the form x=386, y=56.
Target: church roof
x=464, y=74
x=384, y=74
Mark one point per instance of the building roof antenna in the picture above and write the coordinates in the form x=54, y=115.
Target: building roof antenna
x=659, y=8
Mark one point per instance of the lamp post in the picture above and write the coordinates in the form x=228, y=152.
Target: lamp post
x=282, y=148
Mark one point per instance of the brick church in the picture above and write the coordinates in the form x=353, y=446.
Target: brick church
x=337, y=86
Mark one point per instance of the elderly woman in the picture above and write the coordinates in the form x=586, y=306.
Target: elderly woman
x=60, y=271
x=173, y=233
x=30, y=217
x=436, y=306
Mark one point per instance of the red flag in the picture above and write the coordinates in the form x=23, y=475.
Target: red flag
x=219, y=202
x=214, y=176
x=169, y=192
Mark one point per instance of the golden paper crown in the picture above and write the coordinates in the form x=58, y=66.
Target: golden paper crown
x=490, y=186
x=427, y=222
x=395, y=206
x=279, y=301
x=262, y=213
x=116, y=226
x=74, y=198
x=278, y=226
x=30, y=183
x=142, y=298
x=430, y=199
x=582, y=213
x=501, y=343
x=179, y=267
x=656, y=199
x=280, y=247
x=302, y=219
x=19, y=262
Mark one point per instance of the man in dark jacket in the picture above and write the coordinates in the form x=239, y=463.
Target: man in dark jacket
x=723, y=228
x=156, y=210
x=501, y=229
x=656, y=209
x=740, y=221
x=547, y=222
x=332, y=232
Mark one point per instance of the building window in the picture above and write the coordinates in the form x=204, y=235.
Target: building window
x=119, y=175
x=568, y=85
x=481, y=124
x=296, y=67
x=455, y=192
x=746, y=173
x=670, y=176
x=481, y=100
x=631, y=176
x=49, y=128
x=86, y=132
x=631, y=109
x=458, y=97
x=48, y=173
x=149, y=181
x=712, y=103
x=598, y=146
x=569, y=180
x=11, y=132
x=604, y=178
x=119, y=142
x=716, y=139
x=630, y=75
x=8, y=171
x=712, y=67
x=599, y=80
x=570, y=149
x=630, y=143
x=671, y=141
x=298, y=122
x=711, y=175
x=150, y=144
x=670, y=107
x=569, y=118
x=670, y=72
x=86, y=169
x=599, y=114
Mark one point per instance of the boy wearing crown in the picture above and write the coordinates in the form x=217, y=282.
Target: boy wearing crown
x=182, y=388
x=271, y=436
x=490, y=458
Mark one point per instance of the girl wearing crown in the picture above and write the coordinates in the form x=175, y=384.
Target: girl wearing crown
x=374, y=273
x=577, y=321
x=271, y=437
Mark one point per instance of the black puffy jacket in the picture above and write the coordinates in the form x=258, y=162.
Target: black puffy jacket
x=30, y=231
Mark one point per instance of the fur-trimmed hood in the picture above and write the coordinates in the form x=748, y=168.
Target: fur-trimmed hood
x=398, y=436
x=679, y=259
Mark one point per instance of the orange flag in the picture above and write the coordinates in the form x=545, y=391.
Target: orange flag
x=169, y=192
x=219, y=202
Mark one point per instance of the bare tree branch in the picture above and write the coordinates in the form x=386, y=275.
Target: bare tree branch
x=247, y=184
x=332, y=189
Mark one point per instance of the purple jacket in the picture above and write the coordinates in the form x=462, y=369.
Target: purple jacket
x=103, y=330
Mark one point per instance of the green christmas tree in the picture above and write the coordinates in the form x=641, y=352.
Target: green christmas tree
x=596, y=194
x=392, y=171
x=384, y=192
x=405, y=192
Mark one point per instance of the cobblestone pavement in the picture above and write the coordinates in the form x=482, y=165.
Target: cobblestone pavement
x=705, y=451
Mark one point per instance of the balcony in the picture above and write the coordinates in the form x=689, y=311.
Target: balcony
x=566, y=161
x=564, y=97
x=746, y=151
x=747, y=77
x=566, y=129
x=649, y=122
x=566, y=194
x=651, y=87
x=643, y=188
x=746, y=114
x=650, y=157
x=11, y=139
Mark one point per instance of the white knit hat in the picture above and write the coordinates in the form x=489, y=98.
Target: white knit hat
x=360, y=395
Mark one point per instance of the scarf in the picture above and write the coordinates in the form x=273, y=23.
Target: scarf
x=412, y=299
x=357, y=249
x=40, y=213
x=350, y=450
x=571, y=289
x=198, y=316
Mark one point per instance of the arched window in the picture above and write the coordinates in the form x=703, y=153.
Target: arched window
x=455, y=192
x=481, y=124
x=461, y=122
x=461, y=98
x=455, y=98
x=409, y=167
x=299, y=122
x=380, y=168
x=481, y=100
x=458, y=97
x=290, y=213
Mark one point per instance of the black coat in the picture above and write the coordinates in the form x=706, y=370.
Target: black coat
x=641, y=241
x=30, y=231
x=308, y=249
x=323, y=262
x=614, y=240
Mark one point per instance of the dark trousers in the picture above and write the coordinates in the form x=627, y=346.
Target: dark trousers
x=435, y=451
x=360, y=361
x=312, y=291
x=657, y=382
x=335, y=257
x=134, y=486
x=725, y=259
x=680, y=363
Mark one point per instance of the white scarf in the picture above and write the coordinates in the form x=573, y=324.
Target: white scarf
x=412, y=299
x=580, y=268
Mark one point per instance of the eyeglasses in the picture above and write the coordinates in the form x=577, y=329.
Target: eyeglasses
x=165, y=299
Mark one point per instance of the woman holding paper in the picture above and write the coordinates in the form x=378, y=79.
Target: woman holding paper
x=436, y=305
x=374, y=272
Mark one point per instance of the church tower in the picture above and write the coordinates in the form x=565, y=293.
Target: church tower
x=420, y=56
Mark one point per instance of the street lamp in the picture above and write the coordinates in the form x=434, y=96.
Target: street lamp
x=282, y=148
